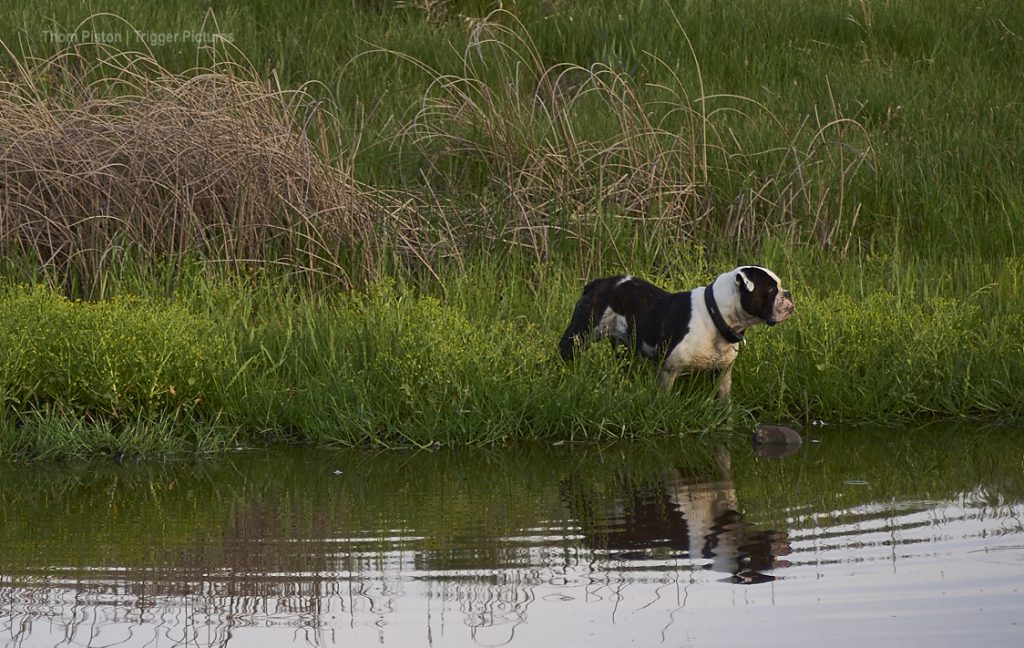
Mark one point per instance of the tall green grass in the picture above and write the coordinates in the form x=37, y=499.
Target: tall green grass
x=856, y=126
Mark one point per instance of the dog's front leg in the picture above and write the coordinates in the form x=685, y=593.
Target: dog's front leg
x=667, y=377
x=725, y=384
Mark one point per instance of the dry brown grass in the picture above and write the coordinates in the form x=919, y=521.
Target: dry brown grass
x=517, y=120
x=104, y=156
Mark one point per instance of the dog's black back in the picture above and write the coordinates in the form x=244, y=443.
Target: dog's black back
x=656, y=320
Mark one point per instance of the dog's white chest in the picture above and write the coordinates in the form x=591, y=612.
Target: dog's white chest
x=701, y=350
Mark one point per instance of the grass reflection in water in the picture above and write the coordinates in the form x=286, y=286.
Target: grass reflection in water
x=465, y=547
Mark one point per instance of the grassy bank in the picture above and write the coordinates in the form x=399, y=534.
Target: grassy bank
x=228, y=364
x=366, y=224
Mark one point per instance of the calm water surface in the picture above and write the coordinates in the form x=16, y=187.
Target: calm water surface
x=882, y=538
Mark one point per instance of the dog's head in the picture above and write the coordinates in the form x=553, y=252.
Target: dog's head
x=762, y=296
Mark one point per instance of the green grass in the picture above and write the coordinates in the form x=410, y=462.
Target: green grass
x=387, y=368
x=461, y=173
x=228, y=363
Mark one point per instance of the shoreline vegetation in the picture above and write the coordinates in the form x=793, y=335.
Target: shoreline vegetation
x=368, y=227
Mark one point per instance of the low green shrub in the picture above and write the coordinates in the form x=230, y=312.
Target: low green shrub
x=126, y=356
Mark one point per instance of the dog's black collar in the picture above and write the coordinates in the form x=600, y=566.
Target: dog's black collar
x=716, y=317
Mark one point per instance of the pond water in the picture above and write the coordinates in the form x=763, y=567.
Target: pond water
x=883, y=538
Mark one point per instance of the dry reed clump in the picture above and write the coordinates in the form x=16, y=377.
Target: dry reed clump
x=105, y=157
x=563, y=145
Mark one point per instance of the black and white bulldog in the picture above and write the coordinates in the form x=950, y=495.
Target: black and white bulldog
x=697, y=330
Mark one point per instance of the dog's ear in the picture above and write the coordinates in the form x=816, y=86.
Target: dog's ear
x=743, y=282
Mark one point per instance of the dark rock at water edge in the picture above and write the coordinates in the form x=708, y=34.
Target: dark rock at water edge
x=776, y=441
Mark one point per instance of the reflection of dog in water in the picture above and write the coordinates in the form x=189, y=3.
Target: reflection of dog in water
x=681, y=515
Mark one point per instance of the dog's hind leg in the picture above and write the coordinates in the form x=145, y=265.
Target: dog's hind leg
x=580, y=329
x=578, y=334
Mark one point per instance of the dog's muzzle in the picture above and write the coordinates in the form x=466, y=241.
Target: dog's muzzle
x=784, y=309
